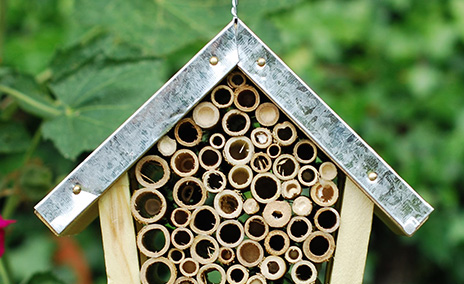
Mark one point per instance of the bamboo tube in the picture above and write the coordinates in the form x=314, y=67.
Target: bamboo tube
x=276, y=242
x=256, y=228
x=273, y=151
x=285, y=133
x=327, y=219
x=149, y=169
x=267, y=114
x=246, y=98
x=265, y=187
x=217, y=141
x=328, y=170
x=236, y=123
x=250, y=253
x=305, y=151
x=182, y=238
x=206, y=115
x=291, y=189
x=237, y=274
x=166, y=146
x=228, y=204
x=257, y=279
x=240, y=176
x=230, y=233
x=187, y=132
x=148, y=205
x=236, y=79
x=273, y=267
x=250, y=206
x=285, y=167
x=324, y=193
x=302, y=206
x=176, y=255
x=238, y=150
x=189, y=193
x=304, y=272
x=226, y=255
x=185, y=280
x=184, y=162
x=222, y=96
x=189, y=267
x=277, y=214
x=214, y=181
x=180, y=217
x=205, y=220
x=293, y=254
x=208, y=268
x=150, y=271
x=261, y=137
x=209, y=158
x=319, y=247
x=260, y=162
x=149, y=239
x=205, y=249
x=299, y=228
x=308, y=175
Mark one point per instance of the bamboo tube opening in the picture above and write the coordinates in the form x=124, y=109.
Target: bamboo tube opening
x=302, y=206
x=237, y=274
x=148, y=205
x=319, y=247
x=277, y=214
x=230, y=233
x=260, y=162
x=246, y=98
x=211, y=273
x=327, y=219
x=184, y=162
x=276, y=242
x=273, y=151
x=308, y=175
x=182, y=238
x=238, y=150
x=256, y=228
x=299, y=228
x=189, y=267
x=205, y=220
x=152, y=171
x=217, y=141
x=185, y=280
x=228, y=204
x=158, y=270
x=189, y=192
x=265, y=187
x=291, y=189
x=222, y=96
x=226, y=255
x=285, y=133
x=286, y=167
x=250, y=206
x=180, y=217
x=267, y=114
x=305, y=151
x=209, y=158
x=304, y=272
x=166, y=146
x=240, y=176
x=261, y=137
x=206, y=115
x=236, y=79
x=273, y=267
x=257, y=279
x=176, y=255
x=214, y=181
x=153, y=240
x=328, y=170
x=187, y=133
x=236, y=123
x=293, y=254
x=204, y=249
x=324, y=194
x=250, y=253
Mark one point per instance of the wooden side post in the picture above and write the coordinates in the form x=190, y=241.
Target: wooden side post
x=353, y=237
x=118, y=234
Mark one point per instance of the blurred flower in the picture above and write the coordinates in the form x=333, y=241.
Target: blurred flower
x=3, y=225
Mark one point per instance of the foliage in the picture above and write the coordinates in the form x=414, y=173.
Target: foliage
x=72, y=71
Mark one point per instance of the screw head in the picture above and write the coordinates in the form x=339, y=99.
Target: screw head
x=213, y=60
x=76, y=189
x=261, y=62
x=372, y=176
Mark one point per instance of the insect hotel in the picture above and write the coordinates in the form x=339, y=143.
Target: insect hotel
x=235, y=171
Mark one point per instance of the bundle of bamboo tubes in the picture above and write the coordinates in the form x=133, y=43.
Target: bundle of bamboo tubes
x=235, y=193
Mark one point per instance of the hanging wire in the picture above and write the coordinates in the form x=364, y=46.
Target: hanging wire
x=234, y=8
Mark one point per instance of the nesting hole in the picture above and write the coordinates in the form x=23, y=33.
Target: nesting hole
x=158, y=272
x=190, y=193
x=151, y=171
x=239, y=150
x=246, y=98
x=249, y=252
x=230, y=233
x=187, y=132
x=228, y=204
x=266, y=187
x=182, y=238
x=285, y=133
x=299, y=228
x=273, y=267
x=204, y=249
x=236, y=122
x=327, y=219
x=154, y=240
x=204, y=220
x=319, y=245
x=237, y=275
x=256, y=228
x=304, y=272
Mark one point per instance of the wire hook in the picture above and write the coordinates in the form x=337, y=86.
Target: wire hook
x=234, y=8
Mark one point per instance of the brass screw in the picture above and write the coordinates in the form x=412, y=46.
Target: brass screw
x=214, y=60
x=372, y=176
x=261, y=61
x=77, y=189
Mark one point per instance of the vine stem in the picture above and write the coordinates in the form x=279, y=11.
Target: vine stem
x=26, y=99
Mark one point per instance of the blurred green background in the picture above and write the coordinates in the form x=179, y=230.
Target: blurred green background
x=72, y=71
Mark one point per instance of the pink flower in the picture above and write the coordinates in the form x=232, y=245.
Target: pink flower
x=3, y=225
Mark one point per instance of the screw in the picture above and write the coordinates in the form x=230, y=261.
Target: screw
x=372, y=176
x=213, y=60
x=77, y=189
x=261, y=61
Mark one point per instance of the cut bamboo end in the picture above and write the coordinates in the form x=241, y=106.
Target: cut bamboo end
x=267, y=114
x=209, y=158
x=286, y=167
x=256, y=228
x=189, y=267
x=148, y=205
x=327, y=219
x=304, y=272
x=250, y=206
x=208, y=269
x=236, y=79
x=308, y=175
x=152, y=171
x=265, y=187
x=205, y=249
x=261, y=162
x=277, y=214
x=180, y=217
x=246, y=98
x=189, y=193
x=291, y=189
x=250, y=253
x=273, y=151
x=154, y=271
x=328, y=170
x=187, y=132
x=184, y=163
x=166, y=146
x=228, y=204
x=176, y=255
x=238, y=150
x=146, y=243
x=285, y=133
x=185, y=280
x=257, y=279
x=240, y=176
x=206, y=115
x=214, y=181
x=305, y=151
x=324, y=193
x=222, y=96
x=299, y=228
x=236, y=123
x=217, y=141
x=319, y=247
x=205, y=220
x=302, y=206
x=293, y=254
x=237, y=274
x=261, y=137
x=230, y=233
x=273, y=267
x=276, y=242
x=182, y=238
x=226, y=255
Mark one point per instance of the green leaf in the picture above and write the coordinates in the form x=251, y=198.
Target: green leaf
x=36, y=180
x=14, y=137
x=44, y=278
